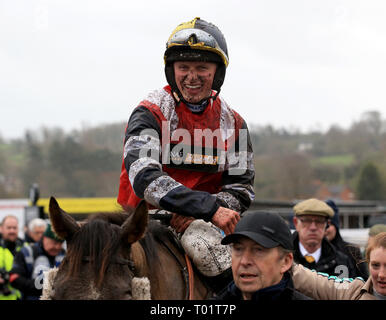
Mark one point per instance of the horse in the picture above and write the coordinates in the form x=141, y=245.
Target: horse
x=107, y=251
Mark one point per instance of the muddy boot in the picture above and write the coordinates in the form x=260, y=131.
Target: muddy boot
x=202, y=243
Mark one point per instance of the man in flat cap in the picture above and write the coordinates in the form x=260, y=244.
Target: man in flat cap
x=261, y=260
x=311, y=249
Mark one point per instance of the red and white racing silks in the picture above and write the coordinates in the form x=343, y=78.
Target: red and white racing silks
x=184, y=162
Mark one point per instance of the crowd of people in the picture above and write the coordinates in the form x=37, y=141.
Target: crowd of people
x=269, y=261
x=23, y=261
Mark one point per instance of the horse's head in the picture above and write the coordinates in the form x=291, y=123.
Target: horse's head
x=99, y=259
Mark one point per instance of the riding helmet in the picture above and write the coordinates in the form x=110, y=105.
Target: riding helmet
x=197, y=40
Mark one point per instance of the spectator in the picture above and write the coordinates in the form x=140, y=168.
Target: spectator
x=35, y=230
x=324, y=287
x=9, y=245
x=374, y=230
x=358, y=264
x=311, y=248
x=261, y=259
x=33, y=260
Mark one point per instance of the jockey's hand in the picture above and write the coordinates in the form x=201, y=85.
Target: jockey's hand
x=226, y=219
x=179, y=222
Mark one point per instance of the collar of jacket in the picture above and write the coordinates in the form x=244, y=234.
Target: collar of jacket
x=328, y=250
x=271, y=293
x=368, y=287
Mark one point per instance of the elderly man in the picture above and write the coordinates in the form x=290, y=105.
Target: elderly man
x=312, y=249
x=35, y=230
x=188, y=153
x=33, y=260
x=261, y=260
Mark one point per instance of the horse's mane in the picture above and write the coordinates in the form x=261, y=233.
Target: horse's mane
x=156, y=232
x=99, y=240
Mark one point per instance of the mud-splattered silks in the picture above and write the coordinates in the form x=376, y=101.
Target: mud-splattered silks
x=192, y=175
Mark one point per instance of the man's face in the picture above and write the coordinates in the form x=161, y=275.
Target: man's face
x=52, y=246
x=37, y=233
x=10, y=229
x=311, y=230
x=194, y=79
x=255, y=267
x=377, y=267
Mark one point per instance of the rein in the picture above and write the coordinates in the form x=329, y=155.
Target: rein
x=187, y=271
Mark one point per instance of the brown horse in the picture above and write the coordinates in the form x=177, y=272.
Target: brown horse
x=108, y=250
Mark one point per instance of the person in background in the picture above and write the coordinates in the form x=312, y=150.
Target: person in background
x=311, y=248
x=35, y=230
x=9, y=245
x=261, y=260
x=32, y=260
x=374, y=230
x=358, y=264
x=321, y=286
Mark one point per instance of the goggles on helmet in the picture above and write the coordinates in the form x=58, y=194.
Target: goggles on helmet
x=198, y=40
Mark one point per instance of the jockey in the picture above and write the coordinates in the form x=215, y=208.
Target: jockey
x=187, y=152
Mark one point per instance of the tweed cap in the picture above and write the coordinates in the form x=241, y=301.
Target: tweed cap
x=313, y=207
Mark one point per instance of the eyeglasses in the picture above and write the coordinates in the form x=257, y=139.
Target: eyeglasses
x=319, y=222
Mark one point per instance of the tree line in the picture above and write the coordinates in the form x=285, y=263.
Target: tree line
x=289, y=164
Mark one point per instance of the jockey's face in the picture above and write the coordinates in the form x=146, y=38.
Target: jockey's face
x=51, y=246
x=194, y=79
x=255, y=267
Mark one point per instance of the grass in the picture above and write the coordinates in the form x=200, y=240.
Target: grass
x=337, y=160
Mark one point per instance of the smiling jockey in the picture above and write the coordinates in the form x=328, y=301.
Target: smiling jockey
x=187, y=152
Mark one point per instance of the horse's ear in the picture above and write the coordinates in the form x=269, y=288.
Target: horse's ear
x=62, y=223
x=134, y=227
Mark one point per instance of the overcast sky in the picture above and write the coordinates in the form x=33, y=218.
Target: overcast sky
x=294, y=64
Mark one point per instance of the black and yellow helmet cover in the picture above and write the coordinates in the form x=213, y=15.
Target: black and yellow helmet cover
x=197, y=40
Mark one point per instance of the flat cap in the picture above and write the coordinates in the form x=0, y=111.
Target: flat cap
x=313, y=207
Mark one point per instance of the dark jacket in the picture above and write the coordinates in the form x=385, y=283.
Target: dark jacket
x=283, y=291
x=28, y=267
x=28, y=239
x=12, y=246
x=331, y=260
x=358, y=264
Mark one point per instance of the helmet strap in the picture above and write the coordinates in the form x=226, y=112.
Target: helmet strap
x=178, y=98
